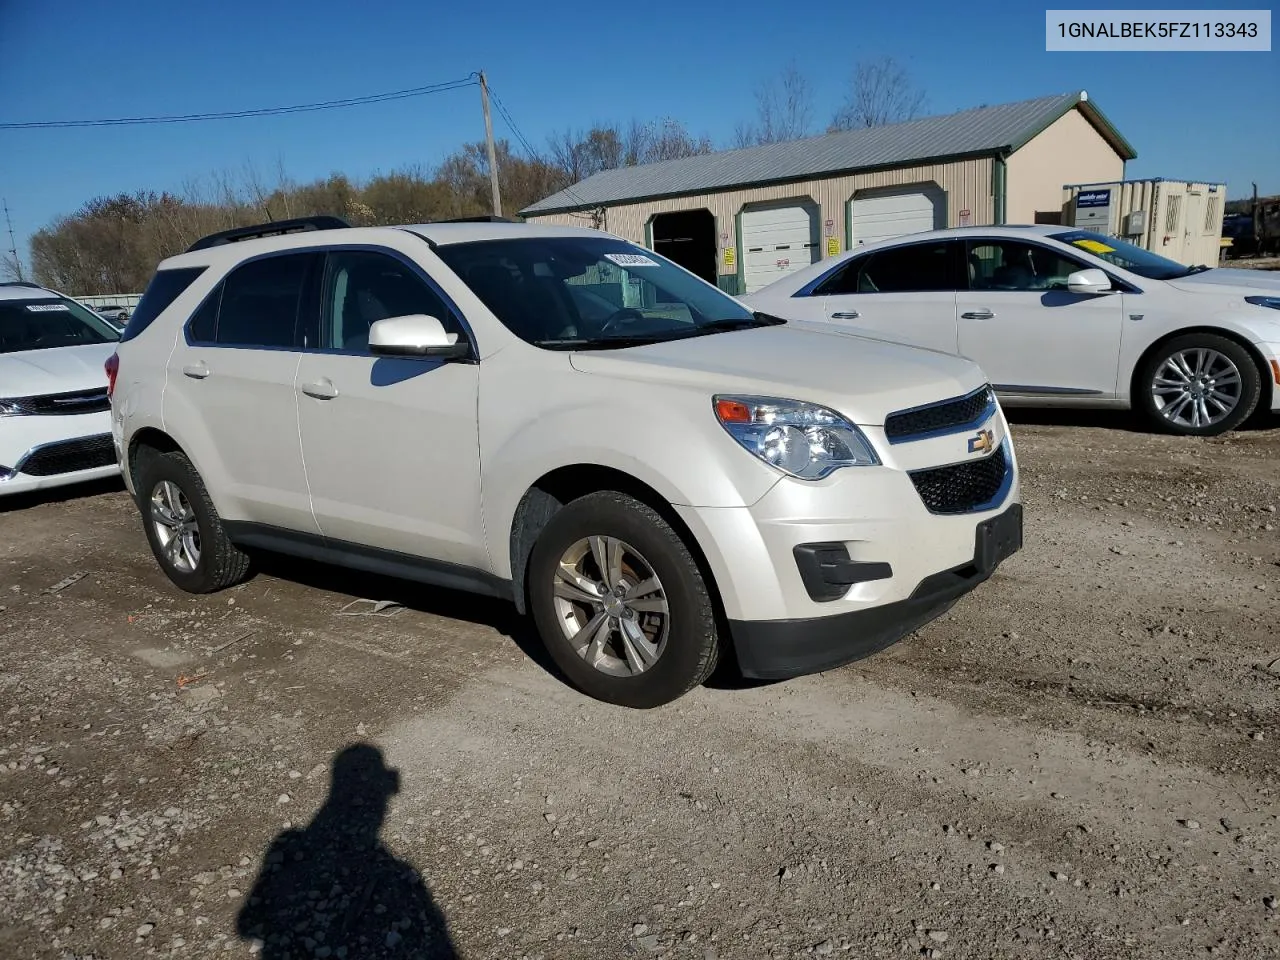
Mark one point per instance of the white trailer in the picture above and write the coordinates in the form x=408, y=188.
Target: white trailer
x=1178, y=219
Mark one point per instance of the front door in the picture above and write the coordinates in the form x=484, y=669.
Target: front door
x=1031, y=335
x=391, y=444
x=906, y=294
x=230, y=390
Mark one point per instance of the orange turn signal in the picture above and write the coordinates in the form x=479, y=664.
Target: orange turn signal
x=1275, y=370
x=733, y=411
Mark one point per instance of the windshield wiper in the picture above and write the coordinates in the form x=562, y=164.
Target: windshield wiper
x=1198, y=268
x=579, y=343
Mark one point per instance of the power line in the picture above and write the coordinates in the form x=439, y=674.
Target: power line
x=533, y=154
x=468, y=81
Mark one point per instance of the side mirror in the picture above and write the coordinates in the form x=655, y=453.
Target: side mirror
x=415, y=335
x=1092, y=281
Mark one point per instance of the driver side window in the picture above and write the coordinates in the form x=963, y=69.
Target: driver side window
x=1012, y=265
x=363, y=287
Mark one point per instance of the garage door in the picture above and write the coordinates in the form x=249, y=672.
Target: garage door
x=777, y=241
x=885, y=216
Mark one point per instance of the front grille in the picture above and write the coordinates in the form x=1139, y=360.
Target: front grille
x=68, y=456
x=961, y=487
x=947, y=415
x=63, y=404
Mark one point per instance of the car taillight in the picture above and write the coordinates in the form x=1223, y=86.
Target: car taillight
x=112, y=366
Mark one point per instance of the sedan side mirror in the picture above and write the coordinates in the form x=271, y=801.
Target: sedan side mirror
x=1092, y=281
x=415, y=335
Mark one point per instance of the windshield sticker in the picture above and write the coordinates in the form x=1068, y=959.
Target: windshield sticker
x=46, y=307
x=1093, y=246
x=630, y=260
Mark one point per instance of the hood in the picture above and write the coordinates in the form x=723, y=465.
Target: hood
x=58, y=370
x=1248, y=283
x=864, y=379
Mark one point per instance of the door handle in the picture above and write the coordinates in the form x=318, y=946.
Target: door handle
x=322, y=389
x=196, y=371
x=983, y=314
x=845, y=315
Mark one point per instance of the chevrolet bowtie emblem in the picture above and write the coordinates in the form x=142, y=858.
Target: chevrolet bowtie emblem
x=984, y=442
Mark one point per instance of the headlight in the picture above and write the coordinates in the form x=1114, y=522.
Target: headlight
x=801, y=439
x=1272, y=302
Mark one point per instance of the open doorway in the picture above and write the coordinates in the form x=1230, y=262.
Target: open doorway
x=689, y=239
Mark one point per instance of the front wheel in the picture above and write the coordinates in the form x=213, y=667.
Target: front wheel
x=620, y=602
x=1198, y=385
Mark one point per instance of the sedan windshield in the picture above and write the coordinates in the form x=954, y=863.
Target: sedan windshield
x=1127, y=256
x=588, y=293
x=50, y=322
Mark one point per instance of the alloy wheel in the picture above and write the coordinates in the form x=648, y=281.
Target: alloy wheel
x=176, y=527
x=611, y=605
x=1196, y=388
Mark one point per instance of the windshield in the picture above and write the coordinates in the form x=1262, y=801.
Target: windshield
x=576, y=293
x=1127, y=256
x=40, y=324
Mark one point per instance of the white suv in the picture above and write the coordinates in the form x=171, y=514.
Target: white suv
x=559, y=418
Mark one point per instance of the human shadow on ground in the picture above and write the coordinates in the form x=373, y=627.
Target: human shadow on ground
x=333, y=890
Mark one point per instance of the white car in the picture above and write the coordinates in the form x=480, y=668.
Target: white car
x=1062, y=317
x=55, y=421
x=658, y=483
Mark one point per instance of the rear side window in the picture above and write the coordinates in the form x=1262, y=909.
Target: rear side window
x=165, y=287
x=921, y=267
x=259, y=304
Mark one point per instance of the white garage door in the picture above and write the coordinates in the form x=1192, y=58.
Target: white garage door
x=886, y=216
x=777, y=241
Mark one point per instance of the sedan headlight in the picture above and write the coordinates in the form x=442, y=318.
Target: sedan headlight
x=1272, y=302
x=803, y=440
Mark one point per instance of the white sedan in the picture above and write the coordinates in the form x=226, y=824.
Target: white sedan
x=1062, y=317
x=55, y=418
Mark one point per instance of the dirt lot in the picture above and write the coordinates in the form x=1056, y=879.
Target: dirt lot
x=1080, y=761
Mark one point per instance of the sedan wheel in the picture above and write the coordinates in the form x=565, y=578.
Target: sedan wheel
x=611, y=606
x=1196, y=388
x=1198, y=384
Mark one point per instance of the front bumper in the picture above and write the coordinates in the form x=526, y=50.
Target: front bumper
x=38, y=452
x=777, y=649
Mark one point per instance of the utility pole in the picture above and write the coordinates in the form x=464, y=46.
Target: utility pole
x=493, y=156
x=13, y=246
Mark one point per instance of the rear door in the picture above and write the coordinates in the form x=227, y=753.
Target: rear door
x=1030, y=334
x=905, y=293
x=229, y=397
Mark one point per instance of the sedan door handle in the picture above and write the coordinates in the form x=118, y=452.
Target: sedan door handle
x=196, y=371
x=983, y=314
x=322, y=389
x=845, y=315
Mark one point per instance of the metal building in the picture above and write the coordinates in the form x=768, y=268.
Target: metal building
x=744, y=218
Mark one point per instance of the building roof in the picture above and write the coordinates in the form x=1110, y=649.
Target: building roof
x=983, y=130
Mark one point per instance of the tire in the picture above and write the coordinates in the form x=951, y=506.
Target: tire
x=219, y=563
x=680, y=647
x=1167, y=380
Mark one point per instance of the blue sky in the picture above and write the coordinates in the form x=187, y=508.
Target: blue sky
x=1189, y=115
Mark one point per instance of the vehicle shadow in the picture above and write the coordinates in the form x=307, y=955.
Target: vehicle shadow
x=332, y=889
x=1125, y=421
x=500, y=615
x=79, y=491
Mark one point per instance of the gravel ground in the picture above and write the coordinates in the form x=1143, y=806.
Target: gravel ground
x=1079, y=761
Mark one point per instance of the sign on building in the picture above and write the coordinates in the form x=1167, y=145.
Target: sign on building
x=1093, y=209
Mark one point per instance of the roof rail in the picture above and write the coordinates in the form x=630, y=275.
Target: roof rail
x=274, y=229
x=487, y=218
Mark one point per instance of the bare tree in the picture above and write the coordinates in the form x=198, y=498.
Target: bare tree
x=10, y=269
x=881, y=92
x=784, y=110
